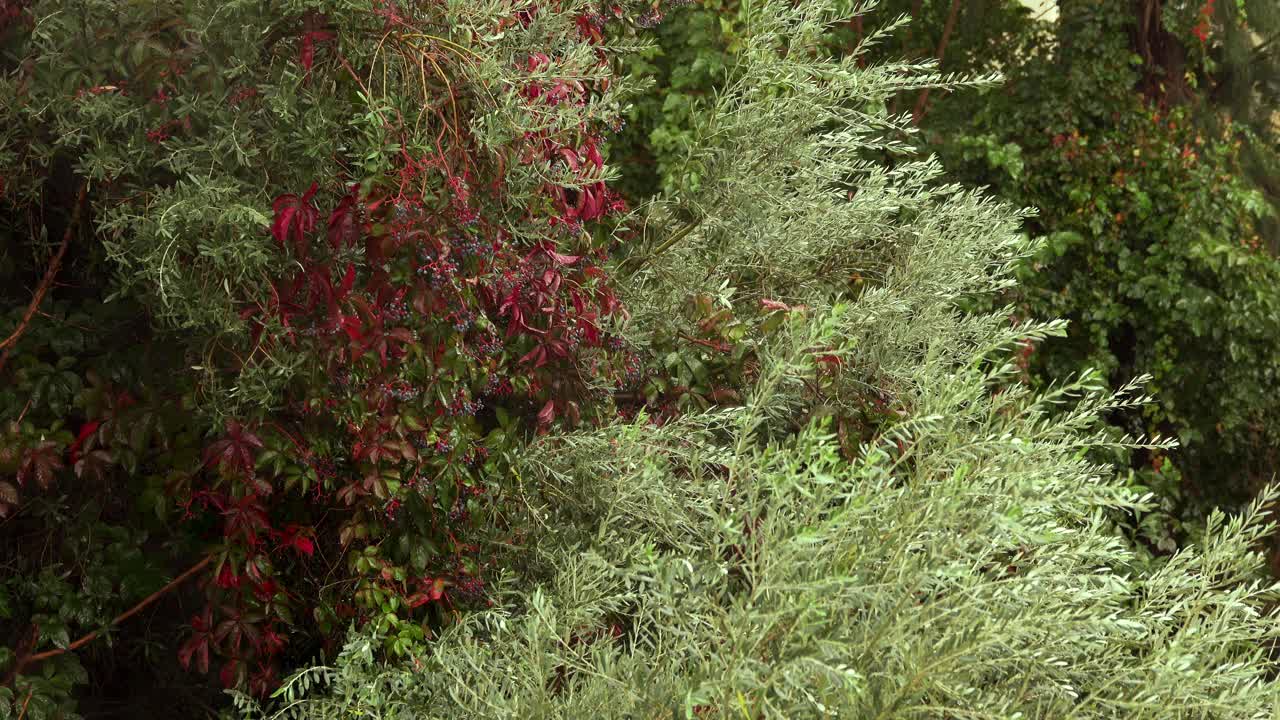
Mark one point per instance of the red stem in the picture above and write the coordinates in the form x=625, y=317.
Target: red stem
x=47, y=281
x=25, y=660
x=918, y=113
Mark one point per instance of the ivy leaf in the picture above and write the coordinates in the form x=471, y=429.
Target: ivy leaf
x=563, y=259
x=237, y=628
x=232, y=673
x=86, y=431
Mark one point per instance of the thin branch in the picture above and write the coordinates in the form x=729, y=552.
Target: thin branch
x=25, y=703
x=47, y=281
x=25, y=660
x=1263, y=47
x=718, y=347
x=641, y=260
x=918, y=113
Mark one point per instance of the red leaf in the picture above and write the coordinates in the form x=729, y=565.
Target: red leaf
x=295, y=217
x=307, y=54
x=589, y=207
x=304, y=546
x=231, y=673
x=227, y=577
x=40, y=464
x=436, y=590
x=548, y=413
x=538, y=356
x=299, y=539
x=197, y=645
x=351, y=325
x=85, y=431
x=235, y=449
x=342, y=223
x=348, y=280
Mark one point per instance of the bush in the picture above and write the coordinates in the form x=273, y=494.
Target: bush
x=333, y=262
x=1155, y=236
x=1155, y=187
x=964, y=558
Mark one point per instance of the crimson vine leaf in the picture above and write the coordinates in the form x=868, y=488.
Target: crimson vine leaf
x=245, y=519
x=307, y=54
x=232, y=673
x=198, y=645
x=342, y=223
x=298, y=538
x=40, y=464
x=236, y=449
x=237, y=628
x=563, y=259
x=548, y=413
x=86, y=431
x=295, y=217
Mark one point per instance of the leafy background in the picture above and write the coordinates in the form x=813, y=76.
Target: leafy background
x=225, y=374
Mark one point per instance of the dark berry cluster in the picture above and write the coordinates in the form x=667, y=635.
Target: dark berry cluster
x=488, y=346
x=402, y=391
x=444, y=445
x=462, y=320
x=498, y=386
x=469, y=586
x=476, y=456
x=442, y=271
x=473, y=247
x=573, y=338
x=649, y=19
x=633, y=368
x=463, y=406
x=396, y=311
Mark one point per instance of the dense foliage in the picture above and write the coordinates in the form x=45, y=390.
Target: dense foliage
x=331, y=263
x=1144, y=135
x=964, y=561
x=1157, y=249
x=326, y=325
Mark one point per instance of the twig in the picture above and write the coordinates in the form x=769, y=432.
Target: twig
x=718, y=347
x=27, y=701
x=25, y=660
x=918, y=113
x=641, y=260
x=47, y=281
